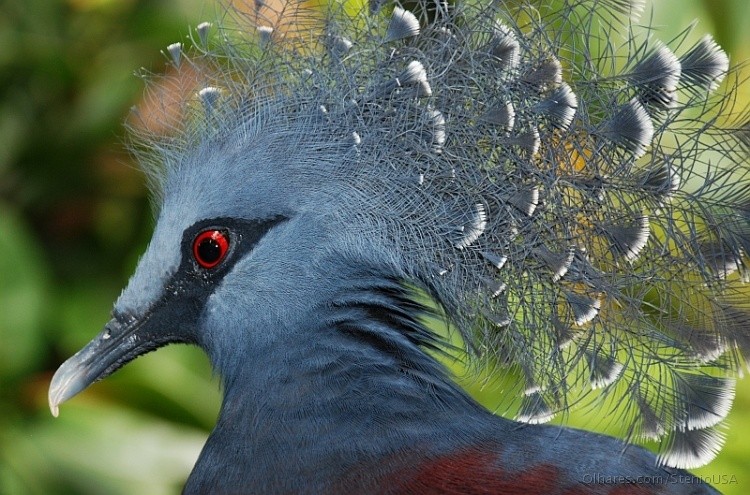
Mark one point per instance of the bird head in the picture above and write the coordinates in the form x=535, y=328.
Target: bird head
x=260, y=198
x=237, y=254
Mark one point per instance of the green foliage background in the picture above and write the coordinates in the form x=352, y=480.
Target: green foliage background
x=74, y=217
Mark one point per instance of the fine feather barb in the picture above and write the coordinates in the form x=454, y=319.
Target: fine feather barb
x=572, y=194
x=404, y=24
x=655, y=78
x=692, y=448
x=705, y=65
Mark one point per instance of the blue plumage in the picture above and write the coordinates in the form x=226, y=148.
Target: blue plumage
x=580, y=222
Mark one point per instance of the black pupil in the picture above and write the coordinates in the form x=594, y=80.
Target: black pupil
x=209, y=250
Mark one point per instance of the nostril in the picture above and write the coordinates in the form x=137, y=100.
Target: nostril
x=113, y=327
x=120, y=320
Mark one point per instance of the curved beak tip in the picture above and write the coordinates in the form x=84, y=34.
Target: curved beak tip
x=57, y=389
x=72, y=377
x=98, y=359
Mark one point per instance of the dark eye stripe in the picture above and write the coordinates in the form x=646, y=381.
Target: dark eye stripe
x=213, y=245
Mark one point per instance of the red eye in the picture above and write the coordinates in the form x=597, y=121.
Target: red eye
x=210, y=247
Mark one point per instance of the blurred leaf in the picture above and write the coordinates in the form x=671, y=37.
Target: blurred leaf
x=23, y=301
x=99, y=447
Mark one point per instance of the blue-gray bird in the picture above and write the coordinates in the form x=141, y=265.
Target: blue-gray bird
x=568, y=193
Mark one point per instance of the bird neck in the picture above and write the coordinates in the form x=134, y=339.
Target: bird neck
x=356, y=389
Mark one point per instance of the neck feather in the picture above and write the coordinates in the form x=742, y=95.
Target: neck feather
x=352, y=389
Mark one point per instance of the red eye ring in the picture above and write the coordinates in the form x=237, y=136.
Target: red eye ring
x=210, y=247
